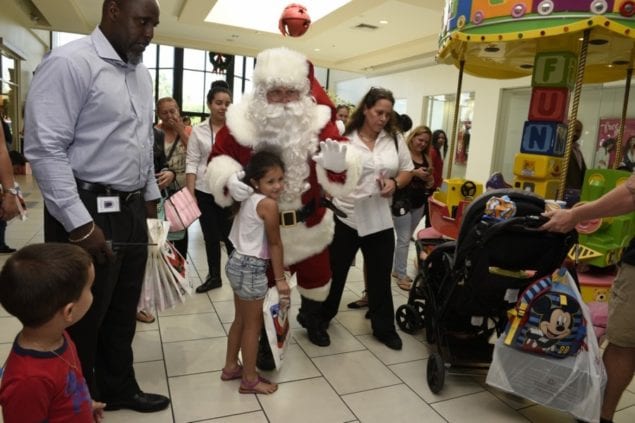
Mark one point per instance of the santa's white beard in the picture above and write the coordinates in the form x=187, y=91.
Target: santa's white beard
x=287, y=128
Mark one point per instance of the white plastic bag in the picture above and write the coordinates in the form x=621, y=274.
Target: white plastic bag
x=572, y=384
x=165, y=284
x=276, y=322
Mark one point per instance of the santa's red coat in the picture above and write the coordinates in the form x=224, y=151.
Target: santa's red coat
x=306, y=243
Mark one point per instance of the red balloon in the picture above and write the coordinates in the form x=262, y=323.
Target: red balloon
x=294, y=21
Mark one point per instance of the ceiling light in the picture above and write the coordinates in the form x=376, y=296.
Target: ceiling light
x=383, y=22
x=264, y=15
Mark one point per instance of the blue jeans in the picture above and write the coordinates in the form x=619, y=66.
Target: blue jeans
x=247, y=276
x=404, y=228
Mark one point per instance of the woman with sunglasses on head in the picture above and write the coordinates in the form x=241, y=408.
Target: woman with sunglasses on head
x=386, y=165
x=413, y=199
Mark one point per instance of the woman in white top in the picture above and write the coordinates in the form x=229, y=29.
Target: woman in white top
x=386, y=165
x=215, y=221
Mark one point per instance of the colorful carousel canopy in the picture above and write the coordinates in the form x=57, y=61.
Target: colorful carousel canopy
x=499, y=38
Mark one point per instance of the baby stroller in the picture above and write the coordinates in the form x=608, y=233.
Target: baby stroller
x=465, y=287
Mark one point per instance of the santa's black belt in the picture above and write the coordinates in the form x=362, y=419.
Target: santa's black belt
x=293, y=217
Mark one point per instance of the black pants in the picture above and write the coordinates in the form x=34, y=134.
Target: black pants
x=181, y=245
x=378, y=250
x=104, y=335
x=215, y=224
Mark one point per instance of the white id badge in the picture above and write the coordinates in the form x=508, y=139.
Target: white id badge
x=108, y=204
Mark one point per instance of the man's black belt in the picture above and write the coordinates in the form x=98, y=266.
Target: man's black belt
x=125, y=196
x=293, y=217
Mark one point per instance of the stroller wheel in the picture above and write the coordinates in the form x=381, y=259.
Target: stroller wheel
x=408, y=318
x=435, y=373
x=421, y=310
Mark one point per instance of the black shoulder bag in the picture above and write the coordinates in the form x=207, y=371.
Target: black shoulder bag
x=400, y=201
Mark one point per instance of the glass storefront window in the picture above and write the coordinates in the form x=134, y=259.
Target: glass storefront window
x=194, y=59
x=150, y=56
x=194, y=92
x=166, y=57
x=439, y=112
x=166, y=78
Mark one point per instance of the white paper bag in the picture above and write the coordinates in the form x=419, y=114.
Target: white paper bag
x=276, y=322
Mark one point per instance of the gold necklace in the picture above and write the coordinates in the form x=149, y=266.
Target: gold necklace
x=72, y=365
x=68, y=345
x=366, y=138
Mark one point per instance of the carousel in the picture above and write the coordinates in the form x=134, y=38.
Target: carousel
x=561, y=45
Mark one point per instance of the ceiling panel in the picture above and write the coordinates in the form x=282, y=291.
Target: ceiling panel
x=409, y=36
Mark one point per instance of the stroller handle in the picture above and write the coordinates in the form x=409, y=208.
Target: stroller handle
x=528, y=222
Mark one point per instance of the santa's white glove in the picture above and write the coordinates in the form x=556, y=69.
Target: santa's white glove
x=332, y=156
x=239, y=190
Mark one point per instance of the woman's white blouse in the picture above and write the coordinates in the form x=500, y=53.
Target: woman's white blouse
x=382, y=161
x=198, y=149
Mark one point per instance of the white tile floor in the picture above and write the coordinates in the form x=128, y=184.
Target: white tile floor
x=356, y=379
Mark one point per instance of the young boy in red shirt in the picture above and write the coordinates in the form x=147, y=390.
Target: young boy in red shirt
x=48, y=288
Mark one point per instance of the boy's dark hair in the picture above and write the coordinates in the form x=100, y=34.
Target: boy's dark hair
x=40, y=279
x=261, y=162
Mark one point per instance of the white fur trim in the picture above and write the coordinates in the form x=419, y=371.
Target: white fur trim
x=242, y=129
x=281, y=67
x=246, y=133
x=353, y=171
x=340, y=126
x=218, y=171
x=316, y=294
x=322, y=116
x=301, y=242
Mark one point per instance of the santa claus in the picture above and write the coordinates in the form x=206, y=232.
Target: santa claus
x=289, y=109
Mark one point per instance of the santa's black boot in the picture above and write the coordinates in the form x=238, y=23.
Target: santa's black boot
x=309, y=318
x=264, y=359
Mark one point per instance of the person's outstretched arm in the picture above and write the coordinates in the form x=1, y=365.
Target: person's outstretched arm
x=618, y=201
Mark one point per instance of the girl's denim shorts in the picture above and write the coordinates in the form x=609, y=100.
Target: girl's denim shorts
x=247, y=276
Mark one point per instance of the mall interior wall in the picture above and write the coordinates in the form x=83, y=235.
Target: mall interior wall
x=30, y=44
x=414, y=85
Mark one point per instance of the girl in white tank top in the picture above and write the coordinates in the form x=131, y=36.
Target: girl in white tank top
x=255, y=234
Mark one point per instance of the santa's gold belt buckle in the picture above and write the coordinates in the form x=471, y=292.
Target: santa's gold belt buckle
x=288, y=218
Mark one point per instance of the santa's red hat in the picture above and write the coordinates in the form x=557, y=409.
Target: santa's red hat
x=283, y=67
